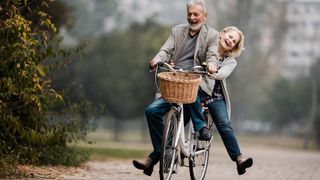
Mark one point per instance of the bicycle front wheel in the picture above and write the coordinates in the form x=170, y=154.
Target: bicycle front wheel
x=168, y=151
x=198, y=163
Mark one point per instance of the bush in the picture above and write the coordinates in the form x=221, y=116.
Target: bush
x=37, y=121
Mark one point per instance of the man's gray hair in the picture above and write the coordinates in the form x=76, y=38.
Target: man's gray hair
x=200, y=3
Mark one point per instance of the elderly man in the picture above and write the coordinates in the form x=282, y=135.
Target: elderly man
x=187, y=46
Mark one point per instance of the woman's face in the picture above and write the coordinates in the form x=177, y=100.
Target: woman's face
x=229, y=39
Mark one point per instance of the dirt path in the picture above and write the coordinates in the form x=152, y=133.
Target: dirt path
x=269, y=164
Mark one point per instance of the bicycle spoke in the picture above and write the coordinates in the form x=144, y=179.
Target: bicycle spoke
x=168, y=151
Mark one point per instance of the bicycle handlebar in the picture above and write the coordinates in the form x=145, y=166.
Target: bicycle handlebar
x=195, y=70
x=202, y=70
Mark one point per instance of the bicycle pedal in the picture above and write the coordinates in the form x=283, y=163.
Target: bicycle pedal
x=174, y=172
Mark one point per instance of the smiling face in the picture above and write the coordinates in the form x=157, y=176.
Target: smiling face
x=196, y=17
x=229, y=39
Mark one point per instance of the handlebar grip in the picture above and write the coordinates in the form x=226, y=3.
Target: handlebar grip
x=204, y=65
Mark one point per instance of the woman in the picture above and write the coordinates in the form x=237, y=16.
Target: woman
x=230, y=46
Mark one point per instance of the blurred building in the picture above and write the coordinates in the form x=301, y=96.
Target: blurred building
x=302, y=41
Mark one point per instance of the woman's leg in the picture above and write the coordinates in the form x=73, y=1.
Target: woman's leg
x=219, y=114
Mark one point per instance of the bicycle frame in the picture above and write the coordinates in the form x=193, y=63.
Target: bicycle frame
x=185, y=147
x=185, y=144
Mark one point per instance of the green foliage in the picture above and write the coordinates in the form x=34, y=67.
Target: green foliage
x=116, y=73
x=36, y=121
x=71, y=156
x=285, y=104
x=291, y=101
x=316, y=128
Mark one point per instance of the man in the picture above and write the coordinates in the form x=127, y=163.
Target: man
x=187, y=46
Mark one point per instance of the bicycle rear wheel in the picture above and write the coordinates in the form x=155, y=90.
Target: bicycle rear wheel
x=198, y=163
x=168, y=151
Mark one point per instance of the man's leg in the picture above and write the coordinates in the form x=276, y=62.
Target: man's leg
x=195, y=111
x=154, y=113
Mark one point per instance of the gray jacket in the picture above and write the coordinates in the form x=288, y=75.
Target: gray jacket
x=206, y=49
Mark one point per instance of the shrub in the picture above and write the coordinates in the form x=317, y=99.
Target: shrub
x=36, y=121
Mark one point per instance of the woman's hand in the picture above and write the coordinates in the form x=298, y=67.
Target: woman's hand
x=212, y=68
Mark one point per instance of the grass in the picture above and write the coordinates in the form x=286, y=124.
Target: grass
x=277, y=141
x=114, y=153
x=102, y=147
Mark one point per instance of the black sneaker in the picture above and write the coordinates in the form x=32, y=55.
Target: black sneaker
x=204, y=134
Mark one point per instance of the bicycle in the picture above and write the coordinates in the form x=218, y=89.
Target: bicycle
x=180, y=141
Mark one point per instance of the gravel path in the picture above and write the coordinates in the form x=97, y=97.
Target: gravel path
x=269, y=164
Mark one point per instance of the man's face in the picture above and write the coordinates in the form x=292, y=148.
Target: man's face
x=196, y=17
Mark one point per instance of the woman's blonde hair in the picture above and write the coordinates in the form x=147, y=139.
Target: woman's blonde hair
x=237, y=50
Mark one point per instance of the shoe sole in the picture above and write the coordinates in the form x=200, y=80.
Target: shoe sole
x=148, y=172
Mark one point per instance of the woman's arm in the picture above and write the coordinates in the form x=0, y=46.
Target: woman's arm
x=226, y=69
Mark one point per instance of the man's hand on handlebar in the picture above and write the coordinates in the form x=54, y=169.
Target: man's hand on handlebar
x=153, y=64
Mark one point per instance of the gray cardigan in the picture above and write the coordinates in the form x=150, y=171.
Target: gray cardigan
x=226, y=68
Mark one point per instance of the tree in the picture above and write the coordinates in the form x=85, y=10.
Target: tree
x=117, y=73
x=28, y=101
x=295, y=102
x=314, y=123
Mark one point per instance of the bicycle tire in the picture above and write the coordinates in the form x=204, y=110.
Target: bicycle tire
x=168, y=151
x=198, y=163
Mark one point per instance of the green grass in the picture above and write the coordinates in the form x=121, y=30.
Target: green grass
x=103, y=147
x=117, y=153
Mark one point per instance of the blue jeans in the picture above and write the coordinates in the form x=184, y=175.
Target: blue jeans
x=154, y=113
x=219, y=115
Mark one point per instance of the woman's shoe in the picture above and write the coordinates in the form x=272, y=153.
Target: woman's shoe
x=243, y=164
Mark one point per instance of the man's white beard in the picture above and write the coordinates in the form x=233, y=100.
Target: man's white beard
x=195, y=27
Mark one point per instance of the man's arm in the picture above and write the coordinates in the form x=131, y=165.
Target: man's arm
x=165, y=52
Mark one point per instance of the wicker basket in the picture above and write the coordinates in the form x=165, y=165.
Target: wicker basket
x=179, y=87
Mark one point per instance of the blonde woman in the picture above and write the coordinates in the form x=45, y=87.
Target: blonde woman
x=230, y=46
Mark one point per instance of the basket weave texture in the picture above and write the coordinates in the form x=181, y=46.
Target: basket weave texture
x=179, y=87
